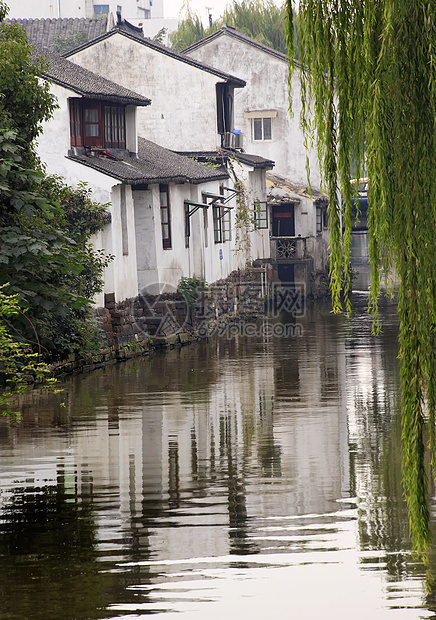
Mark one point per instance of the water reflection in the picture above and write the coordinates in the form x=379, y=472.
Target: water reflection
x=176, y=483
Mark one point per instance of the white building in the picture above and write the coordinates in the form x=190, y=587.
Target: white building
x=262, y=107
x=193, y=104
x=170, y=215
x=43, y=9
x=298, y=216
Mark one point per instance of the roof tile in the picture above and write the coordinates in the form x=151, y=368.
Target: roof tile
x=84, y=82
x=154, y=164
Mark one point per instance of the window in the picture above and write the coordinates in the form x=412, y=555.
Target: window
x=283, y=223
x=187, y=226
x=217, y=224
x=261, y=124
x=75, y=123
x=224, y=104
x=93, y=123
x=318, y=219
x=206, y=227
x=226, y=221
x=260, y=214
x=114, y=127
x=321, y=219
x=261, y=129
x=101, y=9
x=226, y=225
x=165, y=216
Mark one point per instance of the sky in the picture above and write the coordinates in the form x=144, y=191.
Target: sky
x=172, y=8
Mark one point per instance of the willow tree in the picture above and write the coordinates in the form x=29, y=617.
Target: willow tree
x=369, y=94
x=262, y=20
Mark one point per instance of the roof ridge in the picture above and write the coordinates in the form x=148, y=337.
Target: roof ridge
x=237, y=34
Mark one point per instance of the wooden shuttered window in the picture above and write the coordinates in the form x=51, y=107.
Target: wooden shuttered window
x=97, y=124
x=75, y=123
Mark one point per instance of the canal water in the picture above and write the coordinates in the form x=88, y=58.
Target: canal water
x=254, y=475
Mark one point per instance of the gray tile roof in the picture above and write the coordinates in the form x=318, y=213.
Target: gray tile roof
x=256, y=161
x=239, y=35
x=84, y=82
x=155, y=164
x=158, y=47
x=47, y=32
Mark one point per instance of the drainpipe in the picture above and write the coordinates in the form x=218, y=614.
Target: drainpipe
x=59, y=8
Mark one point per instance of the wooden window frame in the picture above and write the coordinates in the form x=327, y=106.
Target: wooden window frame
x=217, y=224
x=165, y=217
x=111, y=121
x=187, y=226
x=261, y=214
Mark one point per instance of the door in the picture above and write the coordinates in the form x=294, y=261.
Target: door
x=283, y=221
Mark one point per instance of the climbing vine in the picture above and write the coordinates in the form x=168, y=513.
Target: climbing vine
x=245, y=214
x=368, y=91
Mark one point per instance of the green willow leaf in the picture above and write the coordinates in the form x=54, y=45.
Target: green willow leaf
x=368, y=89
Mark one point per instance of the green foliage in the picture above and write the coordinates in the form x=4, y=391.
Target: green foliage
x=245, y=215
x=22, y=93
x=261, y=20
x=189, y=31
x=45, y=255
x=369, y=77
x=18, y=365
x=160, y=36
x=46, y=259
x=65, y=43
x=49, y=272
x=191, y=288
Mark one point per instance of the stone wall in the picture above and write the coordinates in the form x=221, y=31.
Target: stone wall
x=150, y=319
x=142, y=324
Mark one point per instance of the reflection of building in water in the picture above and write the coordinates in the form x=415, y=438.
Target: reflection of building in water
x=310, y=418
x=187, y=446
x=375, y=439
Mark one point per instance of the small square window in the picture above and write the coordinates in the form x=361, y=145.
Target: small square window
x=261, y=129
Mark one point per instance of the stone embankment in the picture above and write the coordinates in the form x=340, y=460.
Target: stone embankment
x=145, y=323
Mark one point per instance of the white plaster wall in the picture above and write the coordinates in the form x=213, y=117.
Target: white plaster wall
x=182, y=115
x=305, y=217
x=131, y=128
x=125, y=278
x=160, y=269
x=52, y=147
x=266, y=89
x=260, y=242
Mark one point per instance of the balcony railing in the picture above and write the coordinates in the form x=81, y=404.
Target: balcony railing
x=285, y=249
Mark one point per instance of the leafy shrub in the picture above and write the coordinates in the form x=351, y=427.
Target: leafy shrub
x=190, y=289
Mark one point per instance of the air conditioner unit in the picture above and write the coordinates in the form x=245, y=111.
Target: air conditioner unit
x=232, y=140
x=237, y=140
x=227, y=140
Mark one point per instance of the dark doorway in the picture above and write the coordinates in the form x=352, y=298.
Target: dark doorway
x=283, y=221
x=286, y=274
